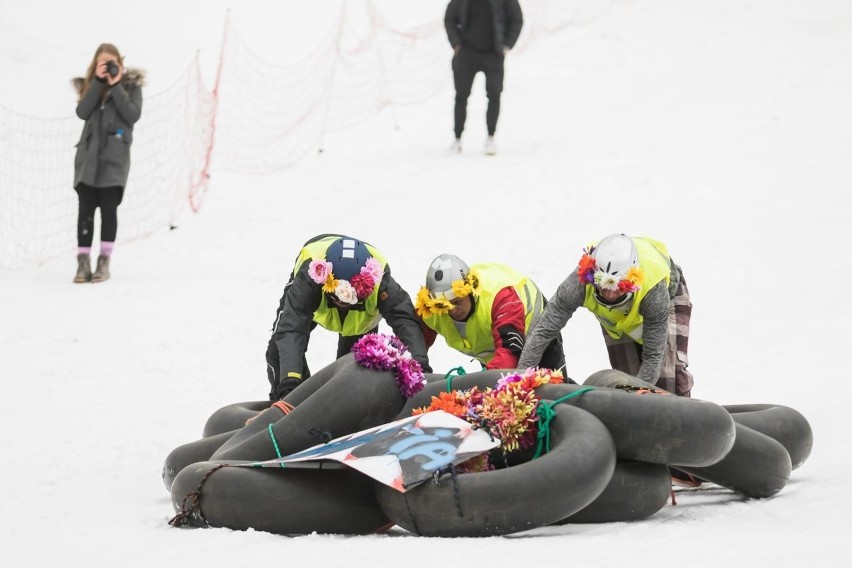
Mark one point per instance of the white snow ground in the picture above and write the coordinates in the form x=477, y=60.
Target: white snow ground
x=720, y=127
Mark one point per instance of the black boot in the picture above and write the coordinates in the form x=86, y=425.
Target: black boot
x=102, y=269
x=84, y=269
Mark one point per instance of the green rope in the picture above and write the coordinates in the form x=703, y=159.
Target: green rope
x=459, y=371
x=274, y=443
x=546, y=413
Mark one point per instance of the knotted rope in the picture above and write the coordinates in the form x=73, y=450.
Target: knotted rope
x=546, y=414
x=457, y=371
x=191, y=505
x=641, y=390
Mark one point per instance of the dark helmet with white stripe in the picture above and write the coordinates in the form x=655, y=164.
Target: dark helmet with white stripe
x=348, y=256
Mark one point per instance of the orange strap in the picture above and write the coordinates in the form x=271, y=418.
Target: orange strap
x=651, y=391
x=284, y=407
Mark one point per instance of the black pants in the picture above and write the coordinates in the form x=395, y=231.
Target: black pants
x=344, y=346
x=90, y=198
x=466, y=64
x=554, y=358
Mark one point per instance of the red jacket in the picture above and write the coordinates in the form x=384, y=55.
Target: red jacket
x=507, y=329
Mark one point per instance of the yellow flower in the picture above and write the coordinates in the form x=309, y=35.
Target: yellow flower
x=634, y=275
x=440, y=306
x=421, y=304
x=330, y=284
x=461, y=288
x=426, y=306
x=472, y=279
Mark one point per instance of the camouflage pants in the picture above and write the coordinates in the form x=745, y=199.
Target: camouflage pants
x=626, y=355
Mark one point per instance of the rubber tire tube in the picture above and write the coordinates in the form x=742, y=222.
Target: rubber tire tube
x=282, y=501
x=533, y=494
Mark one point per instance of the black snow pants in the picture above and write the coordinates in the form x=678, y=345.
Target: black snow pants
x=466, y=64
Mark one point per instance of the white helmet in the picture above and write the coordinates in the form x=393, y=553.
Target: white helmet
x=444, y=270
x=615, y=255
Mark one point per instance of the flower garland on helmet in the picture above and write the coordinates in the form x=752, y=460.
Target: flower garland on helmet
x=508, y=411
x=427, y=304
x=387, y=353
x=588, y=272
x=351, y=291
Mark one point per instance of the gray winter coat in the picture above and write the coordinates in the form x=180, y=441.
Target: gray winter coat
x=103, y=152
x=508, y=21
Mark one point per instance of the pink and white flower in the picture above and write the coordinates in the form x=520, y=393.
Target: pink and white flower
x=605, y=281
x=345, y=292
x=374, y=268
x=319, y=270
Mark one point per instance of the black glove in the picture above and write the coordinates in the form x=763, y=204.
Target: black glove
x=286, y=386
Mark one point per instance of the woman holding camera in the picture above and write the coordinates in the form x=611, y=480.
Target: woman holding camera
x=110, y=101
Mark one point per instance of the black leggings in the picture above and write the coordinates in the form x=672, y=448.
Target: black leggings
x=90, y=198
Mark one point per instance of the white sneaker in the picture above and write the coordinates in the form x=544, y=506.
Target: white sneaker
x=456, y=148
x=490, y=148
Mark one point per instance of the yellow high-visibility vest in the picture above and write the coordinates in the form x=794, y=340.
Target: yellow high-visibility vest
x=656, y=266
x=478, y=341
x=357, y=322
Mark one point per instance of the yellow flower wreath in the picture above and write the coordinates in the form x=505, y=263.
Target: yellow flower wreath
x=428, y=305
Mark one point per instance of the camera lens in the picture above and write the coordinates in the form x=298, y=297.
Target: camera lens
x=112, y=68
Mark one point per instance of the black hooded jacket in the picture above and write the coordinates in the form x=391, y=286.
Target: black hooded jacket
x=301, y=298
x=507, y=22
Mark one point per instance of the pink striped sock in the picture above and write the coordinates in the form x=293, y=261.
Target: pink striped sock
x=106, y=248
x=84, y=250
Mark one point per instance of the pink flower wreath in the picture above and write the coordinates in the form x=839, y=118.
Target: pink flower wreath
x=351, y=291
x=385, y=353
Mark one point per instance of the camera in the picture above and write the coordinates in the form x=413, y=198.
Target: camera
x=112, y=68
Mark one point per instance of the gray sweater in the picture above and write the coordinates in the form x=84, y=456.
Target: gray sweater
x=571, y=294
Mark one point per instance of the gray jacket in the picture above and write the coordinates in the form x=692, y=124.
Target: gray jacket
x=103, y=152
x=571, y=294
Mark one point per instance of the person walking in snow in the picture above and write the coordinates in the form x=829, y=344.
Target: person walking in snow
x=484, y=311
x=110, y=102
x=639, y=296
x=481, y=33
x=344, y=285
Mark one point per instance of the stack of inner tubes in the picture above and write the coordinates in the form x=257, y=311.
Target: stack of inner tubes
x=613, y=446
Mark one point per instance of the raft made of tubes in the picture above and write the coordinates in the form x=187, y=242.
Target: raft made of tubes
x=611, y=442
